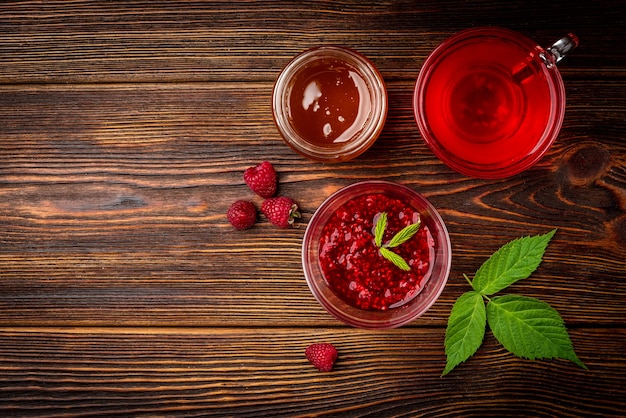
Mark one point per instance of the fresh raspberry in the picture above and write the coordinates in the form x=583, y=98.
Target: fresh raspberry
x=261, y=179
x=322, y=356
x=242, y=214
x=281, y=211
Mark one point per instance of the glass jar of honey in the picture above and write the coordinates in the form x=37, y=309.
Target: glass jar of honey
x=330, y=104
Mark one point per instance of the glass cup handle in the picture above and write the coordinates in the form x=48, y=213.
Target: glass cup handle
x=558, y=50
x=527, y=69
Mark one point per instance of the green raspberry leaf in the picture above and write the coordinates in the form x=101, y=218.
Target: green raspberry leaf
x=404, y=235
x=466, y=329
x=394, y=258
x=512, y=262
x=381, y=225
x=530, y=328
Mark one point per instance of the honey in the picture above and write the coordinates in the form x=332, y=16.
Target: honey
x=329, y=102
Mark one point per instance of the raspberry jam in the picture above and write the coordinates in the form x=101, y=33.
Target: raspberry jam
x=352, y=265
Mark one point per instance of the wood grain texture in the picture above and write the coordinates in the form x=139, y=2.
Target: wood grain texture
x=174, y=41
x=125, y=128
x=247, y=372
x=109, y=188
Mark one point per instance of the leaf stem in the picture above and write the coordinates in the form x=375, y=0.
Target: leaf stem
x=468, y=280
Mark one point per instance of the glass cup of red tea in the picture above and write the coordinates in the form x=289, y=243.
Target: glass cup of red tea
x=330, y=104
x=346, y=271
x=489, y=102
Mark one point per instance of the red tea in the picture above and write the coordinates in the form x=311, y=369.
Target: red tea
x=352, y=265
x=329, y=102
x=478, y=109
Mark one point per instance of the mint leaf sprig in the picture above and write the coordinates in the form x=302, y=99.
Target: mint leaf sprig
x=525, y=326
x=400, y=238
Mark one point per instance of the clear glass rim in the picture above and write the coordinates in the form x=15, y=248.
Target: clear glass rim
x=369, y=319
x=366, y=136
x=488, y=171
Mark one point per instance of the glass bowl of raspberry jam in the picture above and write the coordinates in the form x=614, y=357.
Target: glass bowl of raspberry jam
x=344, y=265
x=330, y=104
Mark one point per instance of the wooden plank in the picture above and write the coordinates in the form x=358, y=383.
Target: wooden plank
x=173, y=41
x=124, y=131
x=113, y=201
x=248, y=372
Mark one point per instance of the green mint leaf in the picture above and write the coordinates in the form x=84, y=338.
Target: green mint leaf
x=530, y=328
x=512, y=262
x=404, y=235
x=394, y=258
x=381, y=225
x=466, y=329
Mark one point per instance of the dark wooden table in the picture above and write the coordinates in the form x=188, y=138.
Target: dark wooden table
x=124, y=132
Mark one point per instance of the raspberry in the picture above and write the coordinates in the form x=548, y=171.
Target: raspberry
x=242, y=214
x=281, y=211
x=261, y=179
x=322, y=356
